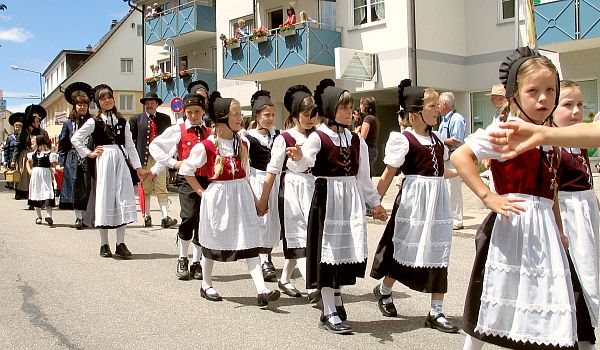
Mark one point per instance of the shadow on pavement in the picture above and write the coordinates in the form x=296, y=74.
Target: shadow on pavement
x=385, y=329
x=153, y=256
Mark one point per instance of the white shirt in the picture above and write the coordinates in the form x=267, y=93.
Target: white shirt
x=278, y=150
x=198, y=156
x=397, y=147
x=164, y=147
x=80, y=137
x=313, y=145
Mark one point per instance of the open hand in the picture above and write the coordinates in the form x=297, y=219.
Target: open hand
x=295, y=153
x=503, y=205
x=96, y=152
x=516, y=138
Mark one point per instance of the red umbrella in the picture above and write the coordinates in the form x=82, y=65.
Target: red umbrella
x=141, y=198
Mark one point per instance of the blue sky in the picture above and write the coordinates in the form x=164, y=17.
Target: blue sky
x=33, y=32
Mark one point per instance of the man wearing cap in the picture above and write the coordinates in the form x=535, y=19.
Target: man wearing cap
x=16, y=121
x=499, y=101
x=452, y=131
x=145, y=127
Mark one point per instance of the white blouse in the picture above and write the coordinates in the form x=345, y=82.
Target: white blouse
x=313, y=145
x=278, y=150
x=397, y=147
x=80, y=137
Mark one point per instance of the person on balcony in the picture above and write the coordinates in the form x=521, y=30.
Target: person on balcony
x=291, y=17
x=241, y=30
x=145, y=127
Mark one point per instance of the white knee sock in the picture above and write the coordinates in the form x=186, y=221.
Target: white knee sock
x=256, y=273
x=120, y=235
x=472, y=343
x=586, y=345
x=163, y=209
x=385, y=290
x=207, y=269
x=329, y=304
x=338, y=297
x=103, y=236
x=263, y=257
x=301, y=263
x=183, y=248
x=78, y=214
x=147, y=199
x=437, y=307
x=288, y=268
x=196, y=253
x=38, y=211
x=48, y=211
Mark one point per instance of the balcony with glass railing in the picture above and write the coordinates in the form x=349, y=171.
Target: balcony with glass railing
x=195, y=20
x=302, y=50
x=564, y=22
x=168, y=85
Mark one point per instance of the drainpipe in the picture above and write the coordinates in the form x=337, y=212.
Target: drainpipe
x=412, y=40
x=141, y=11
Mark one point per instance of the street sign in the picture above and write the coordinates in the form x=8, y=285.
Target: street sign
x=177, y=104
x=2, y=105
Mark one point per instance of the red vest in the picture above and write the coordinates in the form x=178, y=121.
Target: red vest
x=188, y=141
x=228, y=173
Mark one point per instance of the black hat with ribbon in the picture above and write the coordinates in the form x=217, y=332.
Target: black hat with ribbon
x=294, y=96
x=218, y=107
x=198, y=84
x=260, y=99
x=78, y=86
x=30, y=111
x=327, y=96
x=410, y=98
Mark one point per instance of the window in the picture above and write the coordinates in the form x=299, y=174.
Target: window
x=368, y=11
x=590, y=106
x=183, y=63
x=327, y=14
x=482, y=110
x=507, y=9
x=127, y=65
x=276, y=17
x=140, y=30
x=126, y=102
x=165, y=66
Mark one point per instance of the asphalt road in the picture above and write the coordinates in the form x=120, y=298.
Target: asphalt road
x=58, y=293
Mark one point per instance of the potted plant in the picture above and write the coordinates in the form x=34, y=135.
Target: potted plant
x=232, y=43
x=151, y=80
x=259, y=34
x=186, y=73
x=287, y=30
x=166, y=77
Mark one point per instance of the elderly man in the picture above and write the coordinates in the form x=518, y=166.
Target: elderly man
x=452, y=131
x=499, y=101
x=16, y=121
x=145, y=127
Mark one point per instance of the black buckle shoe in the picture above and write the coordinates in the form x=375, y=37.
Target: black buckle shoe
x=196, y=270
x=340, y=309
x=105, y=251
x=38, y=221
x=210, y=297
x=387, y=310
x=78, y=224
x=263, y=298
x=337, y=328
x=168, y=222
x=182, y=269
x=289, y=289
x=147, y=221
x=268, y=271
x=49, y=221
x=122, y=251
x=445, y=327
x=314, y=296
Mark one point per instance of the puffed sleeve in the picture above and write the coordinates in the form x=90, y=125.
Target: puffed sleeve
x=277, y=156
x=309, y=154
x=53, y=157
x=162, y=146
x=30, y=156
x=396, y=148
x=446, y=150
x=196, y=160
x=79, y=138
x=480, y=144
x=370, y=193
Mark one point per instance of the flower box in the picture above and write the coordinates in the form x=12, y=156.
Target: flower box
x=151, y=80
x=166, y=77
x=233, y=45
x=186, y=73
x=287, y=30
x=260, y=39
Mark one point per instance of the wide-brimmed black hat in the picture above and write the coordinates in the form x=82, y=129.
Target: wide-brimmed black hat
x=97, y=90
x=16, y=117
x=198, y=84
x=151, y=96
x=78, y=86
x=39, y=110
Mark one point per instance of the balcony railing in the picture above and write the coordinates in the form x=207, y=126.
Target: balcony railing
x=306, y=45
x=567, y=20
x=169, y=88
x=189, y=17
